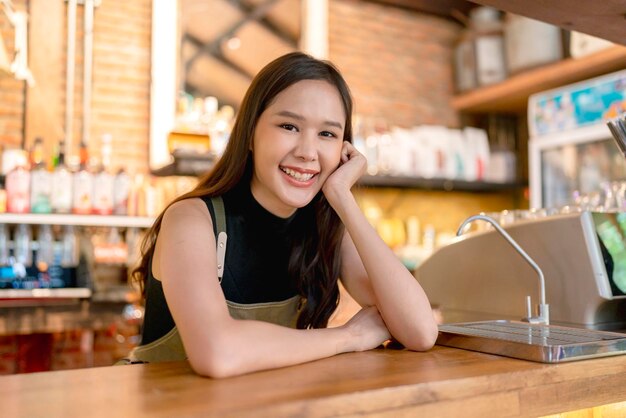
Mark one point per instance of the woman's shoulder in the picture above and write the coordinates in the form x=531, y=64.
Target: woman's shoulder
x=192, y=211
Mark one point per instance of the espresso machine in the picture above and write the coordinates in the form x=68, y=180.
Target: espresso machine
x=582, y=256
x=485, y=280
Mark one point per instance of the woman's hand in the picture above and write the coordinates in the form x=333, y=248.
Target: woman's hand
x=352, y=166
x=366, y=330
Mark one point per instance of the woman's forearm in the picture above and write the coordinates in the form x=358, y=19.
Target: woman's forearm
x=244, y=346
x=399, y=297
x=250, y=346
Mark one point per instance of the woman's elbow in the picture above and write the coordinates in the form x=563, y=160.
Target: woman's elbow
x=423, y=340
x=215, y=359
x=213, y=366
x=214, y=372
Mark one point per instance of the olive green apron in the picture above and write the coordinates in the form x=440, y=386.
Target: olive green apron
x=170, y=346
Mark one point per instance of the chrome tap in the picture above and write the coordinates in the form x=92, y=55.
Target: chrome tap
x=544, y=310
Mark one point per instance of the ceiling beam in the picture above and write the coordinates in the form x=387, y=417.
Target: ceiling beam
x=187, y=37
x=214, y=47
x=444, y=8
x=602, y=18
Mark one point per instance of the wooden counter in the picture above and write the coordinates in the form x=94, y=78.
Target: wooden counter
x=444, y=382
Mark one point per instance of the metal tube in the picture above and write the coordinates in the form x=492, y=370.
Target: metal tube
x=87, y=68
x=543, y=308
x=69, y=78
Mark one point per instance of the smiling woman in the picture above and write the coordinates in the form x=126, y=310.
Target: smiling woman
x=251, y=258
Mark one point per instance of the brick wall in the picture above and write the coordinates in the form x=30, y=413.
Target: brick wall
x=121, y=80
x=398, y=63
x=120, y=102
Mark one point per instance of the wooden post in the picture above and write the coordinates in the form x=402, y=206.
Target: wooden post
x=43, y=106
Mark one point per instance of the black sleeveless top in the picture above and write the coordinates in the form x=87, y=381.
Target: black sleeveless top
x=257, y=255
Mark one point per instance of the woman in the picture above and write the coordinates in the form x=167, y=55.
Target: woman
x=243, y=269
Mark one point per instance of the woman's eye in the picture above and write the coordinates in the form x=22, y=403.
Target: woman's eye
x=289, y=127
x=328, y=134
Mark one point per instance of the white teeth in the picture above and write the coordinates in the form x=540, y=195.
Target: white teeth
x=296, y=175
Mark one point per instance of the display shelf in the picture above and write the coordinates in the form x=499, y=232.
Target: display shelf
x=511, y=96
x=78, y=220
x=436, y=184
x=62, y=293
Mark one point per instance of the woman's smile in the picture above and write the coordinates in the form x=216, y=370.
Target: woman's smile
x=299, y=177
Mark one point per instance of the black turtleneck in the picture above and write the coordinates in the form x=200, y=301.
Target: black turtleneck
x=257, y=255
x=257, y=250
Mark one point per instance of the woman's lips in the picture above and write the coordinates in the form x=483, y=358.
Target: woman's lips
x=299, y=177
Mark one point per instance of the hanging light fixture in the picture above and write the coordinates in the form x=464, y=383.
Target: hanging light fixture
x=19, y=66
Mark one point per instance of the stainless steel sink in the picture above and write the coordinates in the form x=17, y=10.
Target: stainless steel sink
x=536, y=342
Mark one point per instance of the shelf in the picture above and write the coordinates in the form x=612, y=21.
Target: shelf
x=604, y=19
x=511, y=96
x=64, y=293
x=78, y=220
x=187, y=163
x=436, y=184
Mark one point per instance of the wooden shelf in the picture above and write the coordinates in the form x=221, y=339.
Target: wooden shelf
x=61, y=293
x=78, y=220
x=436, y=184
x=511, y=96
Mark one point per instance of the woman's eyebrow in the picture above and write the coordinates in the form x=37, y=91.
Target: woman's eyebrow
x=296, y=116
x=290, y=114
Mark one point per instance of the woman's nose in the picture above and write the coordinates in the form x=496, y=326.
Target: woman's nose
x=306, y=148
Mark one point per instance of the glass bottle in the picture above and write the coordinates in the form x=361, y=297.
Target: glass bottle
x=45, y=253
x=83, y=185
x=62, y=184
x=488, y=45
x=17, y=185
x=69, y=255
x=22, y=251
x=103, y=181
x=40, y=180
x=121, y=191
x=4, y=245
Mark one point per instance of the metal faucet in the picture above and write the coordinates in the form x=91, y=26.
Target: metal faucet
x=544, y=309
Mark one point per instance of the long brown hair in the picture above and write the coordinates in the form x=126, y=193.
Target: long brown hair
x=314, y=262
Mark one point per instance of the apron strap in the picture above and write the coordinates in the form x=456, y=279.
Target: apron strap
x=220, y=220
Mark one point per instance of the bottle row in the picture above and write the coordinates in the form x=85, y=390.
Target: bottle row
x=46, y=256
x=88, y=188
x=44, y=263
x=434, y=152
x=32, y=187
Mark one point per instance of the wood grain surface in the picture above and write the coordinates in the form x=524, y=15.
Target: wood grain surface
x=444, y=382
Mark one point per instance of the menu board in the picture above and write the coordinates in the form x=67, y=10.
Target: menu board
x=577, y=105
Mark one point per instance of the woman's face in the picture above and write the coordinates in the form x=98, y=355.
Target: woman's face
x=297, y=145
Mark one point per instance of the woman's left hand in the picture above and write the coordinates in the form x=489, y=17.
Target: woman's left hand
x=352, y=166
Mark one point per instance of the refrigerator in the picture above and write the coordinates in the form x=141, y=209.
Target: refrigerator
x=571, y=150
